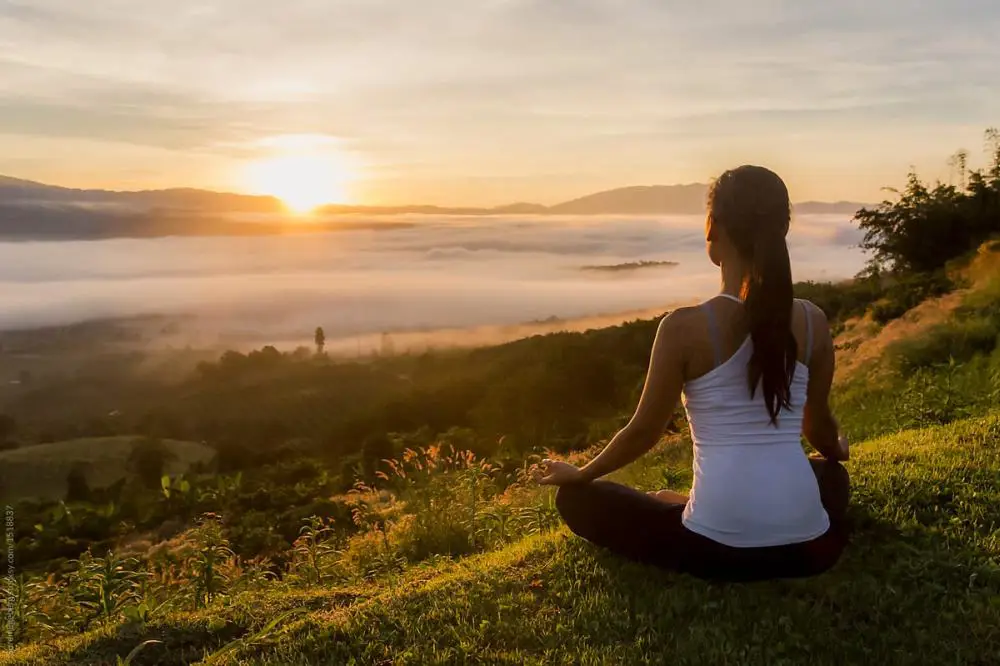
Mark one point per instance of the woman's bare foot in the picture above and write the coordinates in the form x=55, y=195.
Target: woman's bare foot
x=668, y=496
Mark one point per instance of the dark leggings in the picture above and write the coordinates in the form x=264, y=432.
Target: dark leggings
x=642, y=528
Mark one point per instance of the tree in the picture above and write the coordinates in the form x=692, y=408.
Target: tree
x=8, y=428
x=77, y=488
x=992, y=136
x=320, y=339
x=147, y=461
x=928, y=226
x=388, y=347
x=959, y=166
x=376, y=448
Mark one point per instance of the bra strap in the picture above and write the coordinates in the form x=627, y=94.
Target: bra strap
x=713, y=334
x=809, y=330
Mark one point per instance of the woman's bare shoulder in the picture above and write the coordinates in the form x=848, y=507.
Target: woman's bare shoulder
x=816, y=313
x=682, y=320
x=681, y=329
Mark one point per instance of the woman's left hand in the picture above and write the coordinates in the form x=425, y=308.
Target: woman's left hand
x=669, y=496
x=557, y=473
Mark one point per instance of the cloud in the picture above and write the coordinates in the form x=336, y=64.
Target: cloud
x=442, y=274
x=560, y=92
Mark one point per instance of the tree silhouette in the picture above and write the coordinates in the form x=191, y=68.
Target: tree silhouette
x=388, y=347
x=147, y=461
x=926, y=226
x=959, y=166
x=320, y=339
x=77, y=488
x=8, y=428
x=375, y=449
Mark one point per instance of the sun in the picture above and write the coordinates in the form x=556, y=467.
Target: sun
x=302, y=182
x=304, y=171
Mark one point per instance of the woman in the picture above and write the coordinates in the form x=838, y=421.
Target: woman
x=754, y=368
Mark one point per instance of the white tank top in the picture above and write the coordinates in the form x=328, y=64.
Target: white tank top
x=753, y=484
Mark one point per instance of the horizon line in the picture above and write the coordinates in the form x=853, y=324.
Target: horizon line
x=6, y=180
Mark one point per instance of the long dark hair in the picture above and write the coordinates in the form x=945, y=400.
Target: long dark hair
x=751, y=204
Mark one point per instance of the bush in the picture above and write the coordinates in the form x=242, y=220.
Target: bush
x=147, y=461
x=927, y=227
x=889, y=297
x=375, y=449
x=971, y=332
x=932, y=397
x=905, y=292
x=8, y=428
x=843, y=300
x=77, y=488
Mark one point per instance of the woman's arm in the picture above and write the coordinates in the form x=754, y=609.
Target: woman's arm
x=664, y=381
x=818, y=424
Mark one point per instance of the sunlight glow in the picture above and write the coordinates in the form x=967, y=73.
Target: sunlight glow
x=304, y=171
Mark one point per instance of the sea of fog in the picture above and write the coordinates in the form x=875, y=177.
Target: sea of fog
x=453, y=273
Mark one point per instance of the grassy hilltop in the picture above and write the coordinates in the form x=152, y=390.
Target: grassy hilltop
x=443, y=552
x=41, y=471
x=919, y=585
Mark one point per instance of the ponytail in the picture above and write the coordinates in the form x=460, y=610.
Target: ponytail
x=767, y=294
x=751, y=204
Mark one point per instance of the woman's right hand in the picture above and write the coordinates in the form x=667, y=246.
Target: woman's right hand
x=842, y=454
x=557, y=473
x=668, y=496
x=845, y=448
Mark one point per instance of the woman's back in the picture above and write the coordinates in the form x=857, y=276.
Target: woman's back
x=752, y=481
x=759, y=507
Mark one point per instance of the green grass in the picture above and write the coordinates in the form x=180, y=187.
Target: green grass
x=974, y=329
x=921, y=397
x=920, y=584
x=39, y=472
x=947, y=372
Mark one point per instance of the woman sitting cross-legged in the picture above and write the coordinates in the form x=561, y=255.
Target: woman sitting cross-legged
x=753, y=367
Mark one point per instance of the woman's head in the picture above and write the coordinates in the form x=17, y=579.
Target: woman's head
x=748, y=217
x=747, y=207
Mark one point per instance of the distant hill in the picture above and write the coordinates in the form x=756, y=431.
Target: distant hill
x=31, y=210
x=670, y=200
x=40, y=471
x=28, y=221
x=641, y=200
x=17, y=191
x=826, y=208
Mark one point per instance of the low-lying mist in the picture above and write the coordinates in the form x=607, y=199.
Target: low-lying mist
x=428, y=284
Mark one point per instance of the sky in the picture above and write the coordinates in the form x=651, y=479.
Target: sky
x=492, y=101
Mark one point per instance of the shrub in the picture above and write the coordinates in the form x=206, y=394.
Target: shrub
x=315, y=555
x=926, y=227
x=209, y=560
x=906, y=292
x=972, y=331
x=105, y=586
x=147, y=461
x=932, y=397
x=843, y=300
x=77, y=488
x=27, y=605
x=371, y=554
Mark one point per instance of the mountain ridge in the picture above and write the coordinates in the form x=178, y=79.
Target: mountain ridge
x=35, y=211
x=686, y=198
